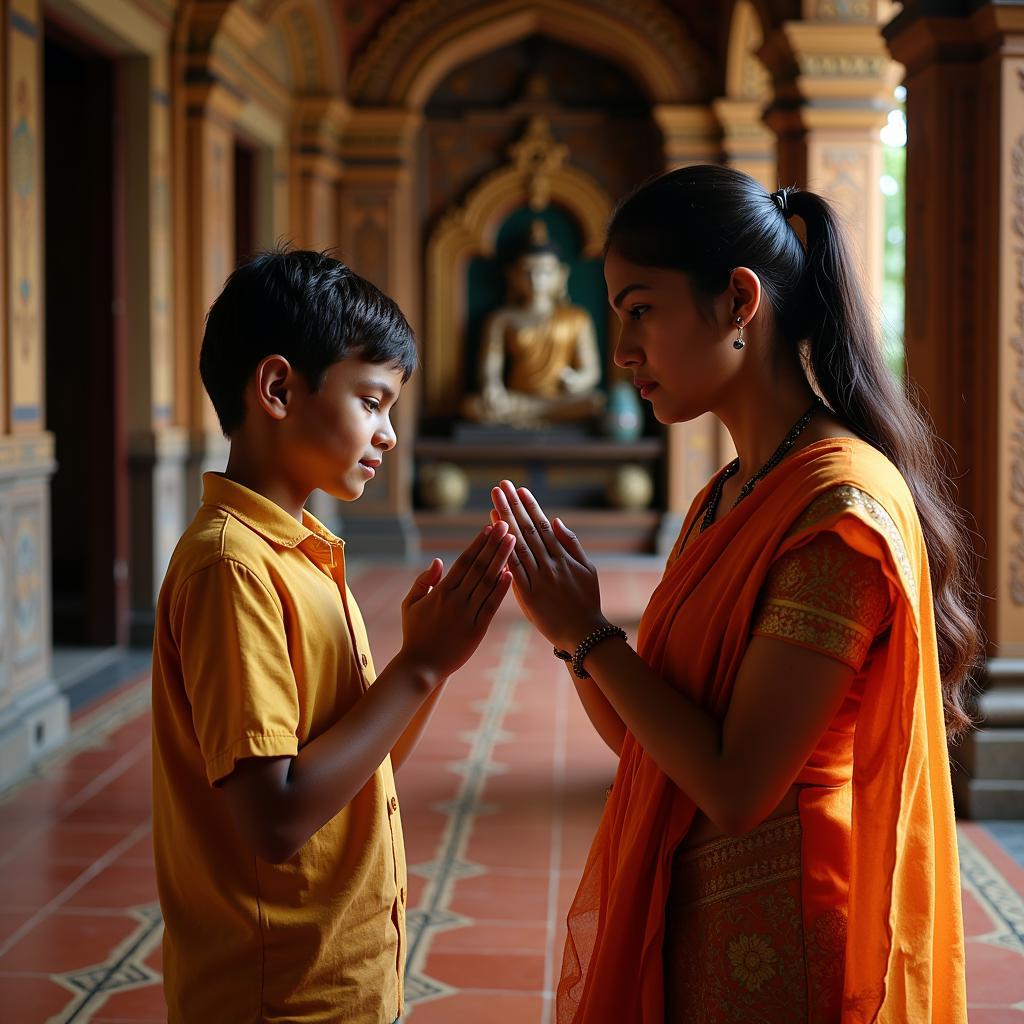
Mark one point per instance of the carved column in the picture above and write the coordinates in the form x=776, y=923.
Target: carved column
x=747, y=143
x=211, y=112
x=157, y=448
x=33, y=714
x=833, y=87
x=965, y=328
x=317, y=122
x=380, y=239
x=316, y=170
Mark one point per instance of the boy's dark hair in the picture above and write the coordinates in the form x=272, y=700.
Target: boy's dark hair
x=309, y=308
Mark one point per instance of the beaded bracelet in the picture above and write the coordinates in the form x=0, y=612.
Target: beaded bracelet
x=588, y=643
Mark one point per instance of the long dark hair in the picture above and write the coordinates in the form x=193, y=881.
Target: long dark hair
x=705, y=221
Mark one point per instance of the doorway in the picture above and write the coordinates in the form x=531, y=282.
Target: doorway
x=85, y=364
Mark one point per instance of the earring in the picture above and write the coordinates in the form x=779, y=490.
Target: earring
x=739, y=342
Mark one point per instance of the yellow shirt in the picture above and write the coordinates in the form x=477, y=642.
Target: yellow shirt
x=259, y=647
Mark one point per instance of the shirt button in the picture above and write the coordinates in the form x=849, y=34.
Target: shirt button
x=365, y=660
x=394, y=803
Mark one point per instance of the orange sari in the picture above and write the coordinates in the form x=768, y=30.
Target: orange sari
x=885, y=820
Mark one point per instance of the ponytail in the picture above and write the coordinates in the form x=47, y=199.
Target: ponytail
x=849, y=370
x=706, y=220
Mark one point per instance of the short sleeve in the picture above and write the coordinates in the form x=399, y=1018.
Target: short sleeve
x=826, y=596
x=236, y=669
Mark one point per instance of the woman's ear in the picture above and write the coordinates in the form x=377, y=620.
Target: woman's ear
x=744, y=294
x=273, y=382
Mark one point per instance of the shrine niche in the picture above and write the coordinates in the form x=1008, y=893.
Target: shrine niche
x=517, y=354
x=474, y=246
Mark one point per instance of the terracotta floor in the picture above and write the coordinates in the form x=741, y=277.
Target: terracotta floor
x=499, y=806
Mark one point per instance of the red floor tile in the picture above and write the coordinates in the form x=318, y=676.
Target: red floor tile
x=67, y=943
x=502, y=897
x=120, y=885
x=11, y=921
x=531, y=851
x=138, y=1005
x=544, y=802
x=32, y=886
x=502, y=971
x=466, y=1007
x=994, y=975
x=63, y=843
x=976, y=919
x=492, y=938
x=31, y=1000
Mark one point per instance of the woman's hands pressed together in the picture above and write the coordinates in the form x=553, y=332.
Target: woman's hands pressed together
x=554, y=582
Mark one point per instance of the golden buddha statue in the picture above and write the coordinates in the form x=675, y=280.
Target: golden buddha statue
x=539, y=361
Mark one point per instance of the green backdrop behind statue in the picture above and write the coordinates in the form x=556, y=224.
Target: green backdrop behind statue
x=487, y=289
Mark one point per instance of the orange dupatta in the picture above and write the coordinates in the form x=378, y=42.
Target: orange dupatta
x=904, y=950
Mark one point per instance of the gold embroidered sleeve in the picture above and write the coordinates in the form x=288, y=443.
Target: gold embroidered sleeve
x=825, y=596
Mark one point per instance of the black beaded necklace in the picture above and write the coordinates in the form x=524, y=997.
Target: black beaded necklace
x=733, y=468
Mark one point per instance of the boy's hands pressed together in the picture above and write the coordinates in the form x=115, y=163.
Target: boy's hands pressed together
x=444, y=620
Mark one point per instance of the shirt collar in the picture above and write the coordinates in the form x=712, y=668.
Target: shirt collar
x=264, y=516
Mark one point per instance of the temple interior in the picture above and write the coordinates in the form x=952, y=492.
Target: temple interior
x=465, y=156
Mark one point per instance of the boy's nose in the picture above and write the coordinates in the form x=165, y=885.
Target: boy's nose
x=386, y=438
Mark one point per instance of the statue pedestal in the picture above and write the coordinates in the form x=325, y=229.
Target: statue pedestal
x=465, y=432
x=570, y=473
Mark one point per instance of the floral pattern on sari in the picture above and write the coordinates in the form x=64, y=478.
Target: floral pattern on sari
x=825, y=596
x=736, y=948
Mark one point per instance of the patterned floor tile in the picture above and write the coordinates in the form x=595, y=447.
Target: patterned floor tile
x=499, y=803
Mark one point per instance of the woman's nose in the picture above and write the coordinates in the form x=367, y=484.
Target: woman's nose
x=625, y=355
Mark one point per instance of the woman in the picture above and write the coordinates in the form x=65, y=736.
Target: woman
x=779, y=842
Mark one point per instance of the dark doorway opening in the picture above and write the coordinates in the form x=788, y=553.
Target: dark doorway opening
x=83, y=162
x=246, y=201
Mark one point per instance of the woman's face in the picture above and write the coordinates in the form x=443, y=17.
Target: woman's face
x=681, y=360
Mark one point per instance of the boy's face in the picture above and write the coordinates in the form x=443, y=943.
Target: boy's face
x=339, y=433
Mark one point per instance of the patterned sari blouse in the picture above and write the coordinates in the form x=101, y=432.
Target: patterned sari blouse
x=827, y=597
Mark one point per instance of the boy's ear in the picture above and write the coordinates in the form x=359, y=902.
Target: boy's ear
x=273, y=380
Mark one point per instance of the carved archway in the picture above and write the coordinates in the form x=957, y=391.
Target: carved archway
x=309, y=31
x=537, y=176
x=426, y=40
x=281, y=47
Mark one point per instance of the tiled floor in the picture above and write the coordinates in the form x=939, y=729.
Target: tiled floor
x=499, y=806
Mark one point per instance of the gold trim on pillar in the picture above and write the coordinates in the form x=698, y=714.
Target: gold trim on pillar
x=692, y=134
x=747, y=142
x=746, y=77
x=24, y=218
x=537, y=176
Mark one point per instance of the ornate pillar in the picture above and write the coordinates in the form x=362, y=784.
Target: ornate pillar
x=317, y=122
x=833, y=84
x=380, y=239
x=157, y=448
x=747, y=143
x=33, y=714
x=212, y=109
x=316, y=170
x=965, y=329
x=692, y=135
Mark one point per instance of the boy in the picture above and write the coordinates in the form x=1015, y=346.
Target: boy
x=277, y=837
